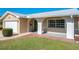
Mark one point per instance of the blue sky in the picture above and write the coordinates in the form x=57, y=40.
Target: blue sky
x=28, y=10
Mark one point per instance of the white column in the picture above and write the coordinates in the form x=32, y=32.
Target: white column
x=39, y=21
x=70, y=28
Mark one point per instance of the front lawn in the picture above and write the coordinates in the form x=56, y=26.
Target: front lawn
x=35, y=43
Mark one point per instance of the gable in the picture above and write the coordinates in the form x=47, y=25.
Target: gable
x=10, y=17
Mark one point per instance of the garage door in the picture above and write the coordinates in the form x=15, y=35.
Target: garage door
x=12, y=25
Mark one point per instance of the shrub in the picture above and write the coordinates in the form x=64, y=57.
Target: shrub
x=1, y=25
x=7, y=32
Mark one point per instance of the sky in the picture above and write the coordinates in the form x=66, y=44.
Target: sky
x=28, y=10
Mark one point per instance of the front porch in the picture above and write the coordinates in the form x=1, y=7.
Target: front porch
x=40, y=26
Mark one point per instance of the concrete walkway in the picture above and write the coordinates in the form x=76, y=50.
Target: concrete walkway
x=13, y=37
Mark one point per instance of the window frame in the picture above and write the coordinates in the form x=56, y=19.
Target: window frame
x=63, y=26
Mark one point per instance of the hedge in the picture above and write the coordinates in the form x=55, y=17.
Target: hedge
x=7, y=32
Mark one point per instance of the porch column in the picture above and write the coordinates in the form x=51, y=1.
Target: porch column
x=39, y=30
x=70, y=28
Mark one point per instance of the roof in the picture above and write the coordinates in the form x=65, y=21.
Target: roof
x=18, y=15
x=67, y=12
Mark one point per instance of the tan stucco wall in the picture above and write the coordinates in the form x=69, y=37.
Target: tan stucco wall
x=31, y=25
x=23, y=25
x=76, y=22
x=45, y=27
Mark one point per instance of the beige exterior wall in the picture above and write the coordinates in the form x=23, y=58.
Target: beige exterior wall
x=23, y=25
x=31, y=23
x=76, y=24
x=45, y=26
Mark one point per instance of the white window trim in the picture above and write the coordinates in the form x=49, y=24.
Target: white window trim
x=56, y=19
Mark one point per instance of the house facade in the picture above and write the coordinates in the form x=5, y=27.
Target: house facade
x=63, y=22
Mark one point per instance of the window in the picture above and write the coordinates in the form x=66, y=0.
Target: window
x=51, y=23
x=56, y=23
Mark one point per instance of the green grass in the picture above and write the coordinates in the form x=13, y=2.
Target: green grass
x=31, y=43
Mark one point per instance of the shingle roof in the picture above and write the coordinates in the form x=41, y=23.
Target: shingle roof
x=67, y=12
